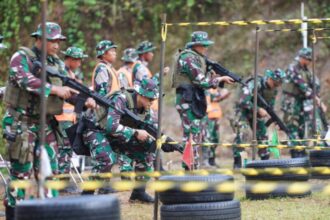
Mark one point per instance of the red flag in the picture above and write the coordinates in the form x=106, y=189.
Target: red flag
x=188, y=155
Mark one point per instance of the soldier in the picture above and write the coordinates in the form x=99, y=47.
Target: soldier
x=126, y=139
x=125, y=72
x=21, y=120
x=191, y=79
x=267, y=88
x=211, y=124
x=72, y=61
x=297, y=99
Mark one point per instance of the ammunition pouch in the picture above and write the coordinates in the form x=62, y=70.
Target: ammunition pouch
x=195, y=97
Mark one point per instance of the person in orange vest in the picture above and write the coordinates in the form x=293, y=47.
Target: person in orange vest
x=72, y=61
x=104, y=79
x=210, y=131
x=125, y=73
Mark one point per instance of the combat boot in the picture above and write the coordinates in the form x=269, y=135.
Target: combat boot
x=212, y=161
x=106, y=190
x=10, y=213
x=298, y=153
x=140, y=195
x=237, y=162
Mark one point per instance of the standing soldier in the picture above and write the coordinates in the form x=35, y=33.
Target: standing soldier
x=297, y=102
x=72, y=61
x=124, y=137
x=211, y=123
x=267, y=88
x=191, y=79
x=22, y=100
x=125, y=73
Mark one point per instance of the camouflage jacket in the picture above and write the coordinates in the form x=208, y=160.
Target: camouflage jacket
x=102, y=80
x=114, y=127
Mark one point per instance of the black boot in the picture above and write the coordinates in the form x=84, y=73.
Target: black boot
x=237, y=162
x=140, y=195
x=87, y=192
x=298, y=153
x=106, y=190
x=10, y=213
x=212, y=161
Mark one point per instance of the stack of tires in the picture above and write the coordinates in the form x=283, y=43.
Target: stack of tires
x=69, y=208
x=320, y=161
x=205, y=204
x=275, y=182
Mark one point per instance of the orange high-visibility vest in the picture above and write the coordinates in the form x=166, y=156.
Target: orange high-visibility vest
x=114, y=82
x=213, y=110
x=68, y=113
x=127, y=73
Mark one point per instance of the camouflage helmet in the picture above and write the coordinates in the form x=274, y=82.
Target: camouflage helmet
x=144, y=47
x=147, y=88
x=306, y=53
x=104, y=46
x=276, y=75
x=2, y=46
x=199, y=38
x=53, y=30
x=74, y=52
x=129, y=55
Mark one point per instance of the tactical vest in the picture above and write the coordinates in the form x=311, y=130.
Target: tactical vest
x=115, y=86
x=213, y=110
x=101, y=113
x=291, y=88
x=266, y=93
x=15, y=97
x=178, y=77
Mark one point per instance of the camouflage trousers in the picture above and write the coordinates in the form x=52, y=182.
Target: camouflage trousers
x=24, y=152
x=242, y=128
x=65, y=151
x=191, y=127
x=210, y=134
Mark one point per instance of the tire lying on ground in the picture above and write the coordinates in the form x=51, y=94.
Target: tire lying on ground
x=281, y=190
x=274, y=174
x=177, y=196
x=196, y=211
x=320, y=158
x=69, y=208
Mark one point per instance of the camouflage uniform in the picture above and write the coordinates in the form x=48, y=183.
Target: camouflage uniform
x=122, y=136
x=21, y=120
x=190, y=74
x=297, y=99
x=125, y=72
x=244, y=110
x=68, y=117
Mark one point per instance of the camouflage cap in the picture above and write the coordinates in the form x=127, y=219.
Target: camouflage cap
x=2, y=46
x=277, y=75
x=53, y=31
x=129, y=55
x=306, y=53
x=74, y=52
x=199, y=38
x=144, y=47
x=147, y=88
x=104, y=46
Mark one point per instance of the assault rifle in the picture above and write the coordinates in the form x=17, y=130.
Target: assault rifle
x=85, y=92
x=222, y=71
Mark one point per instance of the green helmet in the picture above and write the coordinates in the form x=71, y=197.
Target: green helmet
x=199, y=38
x=277, y=75
x=74, y=52
x=144, y=47
x=104, y=46
x=53, y=30
x=306, y=53
x=2, y=46
x=129, y=55
x=147, y=88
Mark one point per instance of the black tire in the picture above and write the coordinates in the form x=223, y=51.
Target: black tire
x=279, y=163
x=320, y=158
x=280, y=191
x=69, y=208
x=176, y=196
x=202, y=211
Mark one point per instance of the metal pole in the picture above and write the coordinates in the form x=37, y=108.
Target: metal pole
x=304, y=26
x=255, y=95
x=42, y=96
x=314, y=86
x=160, y=107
